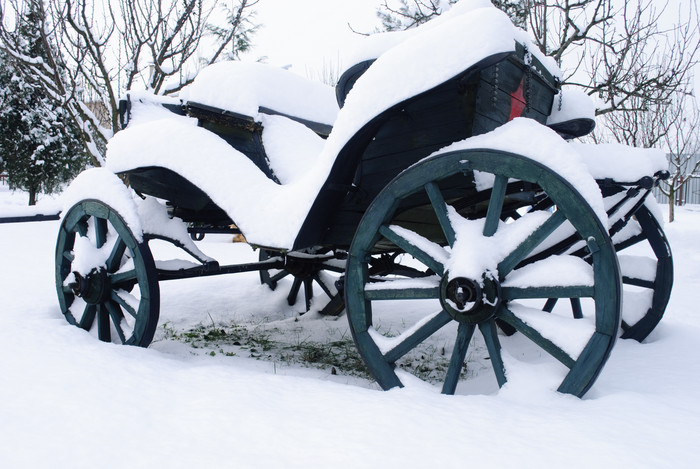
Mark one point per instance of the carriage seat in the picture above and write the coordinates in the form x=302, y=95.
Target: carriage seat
x=248, y=90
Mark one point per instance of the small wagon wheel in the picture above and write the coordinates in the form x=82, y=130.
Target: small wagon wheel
x=647, y=278
x=304, y=271
x=482, y=274
x=648, y=282
x=106, y=280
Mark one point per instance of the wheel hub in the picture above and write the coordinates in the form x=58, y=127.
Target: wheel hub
x=301, y=267
x=93, y=288
x=470, y=301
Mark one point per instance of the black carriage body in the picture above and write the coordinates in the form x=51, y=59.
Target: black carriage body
x=478, y=101
x=485, y=96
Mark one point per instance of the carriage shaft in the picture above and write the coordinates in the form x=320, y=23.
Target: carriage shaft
x=213, y=268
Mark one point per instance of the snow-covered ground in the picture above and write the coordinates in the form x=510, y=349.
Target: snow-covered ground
x=68, y=400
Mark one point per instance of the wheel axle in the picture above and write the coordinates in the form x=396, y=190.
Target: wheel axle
x=94, y=288
x=470, y=301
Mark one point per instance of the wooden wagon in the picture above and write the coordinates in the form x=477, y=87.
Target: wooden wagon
x=438, y=181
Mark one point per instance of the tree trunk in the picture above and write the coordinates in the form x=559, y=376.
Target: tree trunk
x=32, y=197
x=671, y=203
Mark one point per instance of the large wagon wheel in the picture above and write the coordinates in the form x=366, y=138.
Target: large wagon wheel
x=649, y=281
x=304, y=271
x=482, y=274
x=106, y=280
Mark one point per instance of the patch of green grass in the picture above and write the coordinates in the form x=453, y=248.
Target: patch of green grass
x=336, y=354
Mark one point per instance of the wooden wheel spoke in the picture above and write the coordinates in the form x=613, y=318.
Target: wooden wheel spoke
x=88, y=317
x=493, y=215
x=550, y=304
x=576, y=308
x=308, y=292
x=629, y=242
x=530, y=243
x=100, y=232
x=68, y=255
x=417, y=334
x=532, y=334
x=323, y=286
x=115, y=257
x=123, y=304
x=489, y=331
x=403, y=293
x=454, y=370
x=638, y=282
x=82, y=227
x=294, y=291
x=123, y=277
x=278, y=276
x=419, y=253
x=334, y=268
x=117, y=316
x=103, y=324
x=573, y=291
x=440, y=209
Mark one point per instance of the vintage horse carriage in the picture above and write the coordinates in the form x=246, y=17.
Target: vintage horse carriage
x=442, y=197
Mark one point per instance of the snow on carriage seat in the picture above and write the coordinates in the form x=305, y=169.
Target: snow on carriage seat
x=570, y=104
x=245, y=87
x=271, y=214
x=291, y=148
x=620, y=162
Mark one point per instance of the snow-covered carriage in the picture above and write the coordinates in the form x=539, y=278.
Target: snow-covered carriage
x=442, y=185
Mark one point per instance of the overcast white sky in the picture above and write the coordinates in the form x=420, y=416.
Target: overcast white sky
x=303, y=33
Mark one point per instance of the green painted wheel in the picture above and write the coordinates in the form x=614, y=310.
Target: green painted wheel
x=647, y=274
x=448, y=213
x=305, y=270
x=106, y=280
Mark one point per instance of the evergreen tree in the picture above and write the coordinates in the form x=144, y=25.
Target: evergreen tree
x=40, y=147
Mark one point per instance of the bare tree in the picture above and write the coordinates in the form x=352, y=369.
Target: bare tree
x=111, y=47
x=645, y=127
x=617, y=51
x=681, y=127
x=628, y=60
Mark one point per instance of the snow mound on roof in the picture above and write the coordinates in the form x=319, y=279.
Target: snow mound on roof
x=424, y=60
x=375, y=45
